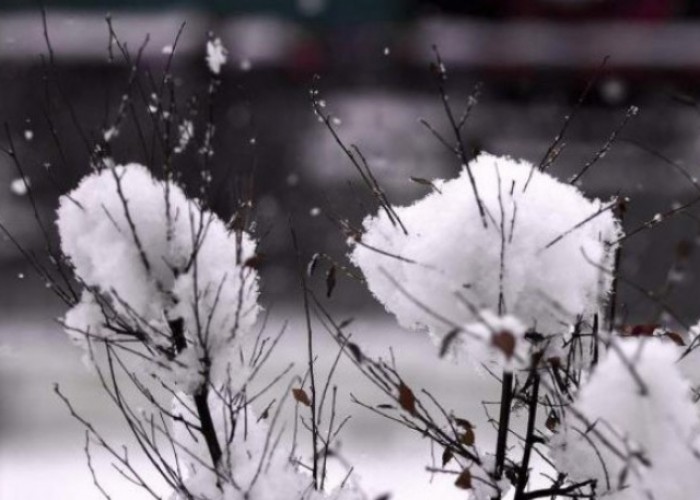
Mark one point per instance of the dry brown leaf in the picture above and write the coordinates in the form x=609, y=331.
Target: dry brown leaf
x=301, y=396
x=406, y=399
x=505, y=342
x=464, y=480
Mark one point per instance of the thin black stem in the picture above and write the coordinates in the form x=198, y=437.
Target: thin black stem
x=503, y=422
x=207, y=425
x=310, y=348
x=524, y=474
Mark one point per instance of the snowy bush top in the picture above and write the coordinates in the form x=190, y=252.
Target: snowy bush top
x=157, y=266
x=542, y=255
x=633, y=427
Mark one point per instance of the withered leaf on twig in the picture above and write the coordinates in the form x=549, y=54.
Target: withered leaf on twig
x=406, y=399
x=330, y=281
x=356, y=352
x=468, y=437
x=301, y=396
x=552, y=422
x=505, y=342
x=675, y=337
x=446, y=456
x=464, y=480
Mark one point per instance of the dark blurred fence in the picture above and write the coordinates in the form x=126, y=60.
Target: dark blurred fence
x=373, y=57
x=335, y=12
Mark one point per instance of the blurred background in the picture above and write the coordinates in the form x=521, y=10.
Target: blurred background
x=533, y=58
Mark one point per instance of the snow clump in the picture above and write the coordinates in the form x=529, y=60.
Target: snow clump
x=633, y=427
x=156, y=265
x=543, y=254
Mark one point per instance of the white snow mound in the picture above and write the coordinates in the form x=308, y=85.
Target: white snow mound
x=546, y=249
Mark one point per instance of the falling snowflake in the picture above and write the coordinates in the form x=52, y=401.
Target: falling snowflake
x=216, y=55
x=110, y=133
x=20, y=186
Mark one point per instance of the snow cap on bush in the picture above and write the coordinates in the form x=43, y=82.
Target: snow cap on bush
x=545, y=249
x=634, y=428
x=149, y=258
